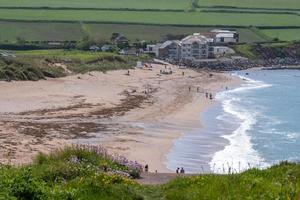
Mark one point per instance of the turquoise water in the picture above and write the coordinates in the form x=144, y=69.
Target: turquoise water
x=254, y=125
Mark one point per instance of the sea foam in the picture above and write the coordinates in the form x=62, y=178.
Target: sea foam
x=239, y=154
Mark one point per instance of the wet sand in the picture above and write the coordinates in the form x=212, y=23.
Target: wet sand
x=137, y=115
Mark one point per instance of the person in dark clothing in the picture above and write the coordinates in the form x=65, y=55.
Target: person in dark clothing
x=177, y=170
x=182, y=170
x=146, y=168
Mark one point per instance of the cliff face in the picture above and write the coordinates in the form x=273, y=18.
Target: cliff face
x=267, y=52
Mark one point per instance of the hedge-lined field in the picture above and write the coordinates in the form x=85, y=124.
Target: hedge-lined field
x=133, y=4
x=283, y=34
x=43, y=31
x=10, y=31
x=152, y=17
x=276, y=4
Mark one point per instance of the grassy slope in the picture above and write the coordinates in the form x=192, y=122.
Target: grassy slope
x=35, y=65
x=80, y=174
x=136, y=4
x=147, y=17
x=283, y=34
x=289, y=4
x=40, y=31
x=61, y=31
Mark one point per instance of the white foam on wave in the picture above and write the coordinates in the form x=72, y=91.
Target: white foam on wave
x=239, y=155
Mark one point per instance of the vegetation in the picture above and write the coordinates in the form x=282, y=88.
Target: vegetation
x=87, y=173
x=270, y=50
x=133, y=4
x=269, y=4
x=152, y=17
x=39, y=64
x=54, y=20
x=41, y=31
x=283, y=34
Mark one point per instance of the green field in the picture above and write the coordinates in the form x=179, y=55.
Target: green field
x=276, y=4
x=285, y=34
x=9, y=31
x=134, y=4
x=59, y=20
x=41, y=31
x=151, y=17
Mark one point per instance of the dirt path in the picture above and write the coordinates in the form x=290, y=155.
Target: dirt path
x=159, y=178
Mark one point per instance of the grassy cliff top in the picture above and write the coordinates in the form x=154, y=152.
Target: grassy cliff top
x=88, y=173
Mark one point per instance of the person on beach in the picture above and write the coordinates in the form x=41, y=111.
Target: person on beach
x=189, y=88
x=182, y=73
x=177, y=170
x=210, y=96
x=146, y=168
x=197, y=89
x=206, y=94
x=182, y=170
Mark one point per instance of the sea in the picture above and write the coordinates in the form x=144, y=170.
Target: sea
x=254, y=125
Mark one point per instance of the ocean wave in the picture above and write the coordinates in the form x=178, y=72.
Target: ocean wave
x=239, y=155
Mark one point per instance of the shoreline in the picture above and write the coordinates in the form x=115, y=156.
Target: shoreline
x=138, y=115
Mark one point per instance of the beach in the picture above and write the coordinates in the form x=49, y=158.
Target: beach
x=137, y=113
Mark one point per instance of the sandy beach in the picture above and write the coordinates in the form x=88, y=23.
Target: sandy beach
x=138, y=115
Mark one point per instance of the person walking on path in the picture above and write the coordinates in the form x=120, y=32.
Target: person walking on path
x=146, y=168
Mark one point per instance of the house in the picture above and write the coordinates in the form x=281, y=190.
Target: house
x=195, y=47
x=170, y=50
x=153, y=48
x=106, y=48
x=225, y=36
x=119, y=39
x=94, y=48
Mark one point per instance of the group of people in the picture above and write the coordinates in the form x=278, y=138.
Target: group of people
x=180, y=170
x=207, y=95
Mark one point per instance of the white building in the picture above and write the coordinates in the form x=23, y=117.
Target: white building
x=195, y=47
x=170, y=50
x=225, y=36
x=153, y=48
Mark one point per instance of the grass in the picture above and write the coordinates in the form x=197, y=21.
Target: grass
x=246, y=51
x=269, y=50
x=41, y=31
x=152, y=17
x=135, y=4
x=31, y=19
x=277, y=4
x=39, y=64
x=83, y=173
x=283, y=34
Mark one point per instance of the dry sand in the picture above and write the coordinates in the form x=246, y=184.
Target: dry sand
x=137, y=115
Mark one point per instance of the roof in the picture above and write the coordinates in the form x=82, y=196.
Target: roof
x=169, y=42
x=225, y=35
x=196, y=37
x=222, y=31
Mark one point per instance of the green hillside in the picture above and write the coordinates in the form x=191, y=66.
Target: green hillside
x=89, y=173
x=269, y=4
x=58, y=20
x=134, y=4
